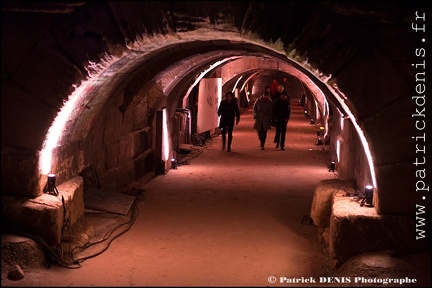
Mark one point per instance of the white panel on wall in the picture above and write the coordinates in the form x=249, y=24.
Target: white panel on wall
x=209, y=96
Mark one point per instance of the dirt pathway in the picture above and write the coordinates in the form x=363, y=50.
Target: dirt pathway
x=221, y=219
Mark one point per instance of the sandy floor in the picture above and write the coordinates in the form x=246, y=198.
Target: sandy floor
x=221, y=219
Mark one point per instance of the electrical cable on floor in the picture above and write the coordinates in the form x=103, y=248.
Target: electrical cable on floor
x=75, y=263
x=190, y=157
x=134, y=215
x=67, y=226
x=45, y=248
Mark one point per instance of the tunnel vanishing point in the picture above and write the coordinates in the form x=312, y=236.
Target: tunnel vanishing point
x=102, y=87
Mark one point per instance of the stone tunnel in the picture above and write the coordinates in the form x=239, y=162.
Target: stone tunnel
x=87, y=86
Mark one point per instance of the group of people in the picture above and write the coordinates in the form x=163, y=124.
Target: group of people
x=272, y=108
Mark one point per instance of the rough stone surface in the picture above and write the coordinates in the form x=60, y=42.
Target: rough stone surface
x=355, y=229
x=323, y=199
x=20, y=250
x=349, y=228
x=385, y=266
x=47, y=215
x=359, y=46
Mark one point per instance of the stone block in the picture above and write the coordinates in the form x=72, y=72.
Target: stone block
x=45, y=216
x=323, y=199
x=355, y=229
x=20, y=250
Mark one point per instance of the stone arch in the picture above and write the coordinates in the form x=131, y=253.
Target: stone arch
x=115, y=29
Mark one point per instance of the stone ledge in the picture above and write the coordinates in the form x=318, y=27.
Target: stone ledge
x=355, y=229
x=20, y=250
x=45, y=215
x=349, y=229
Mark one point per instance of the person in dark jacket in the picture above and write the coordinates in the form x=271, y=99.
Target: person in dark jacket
x=229, y=114
x=281, y=115
x=262, y=114
x=277, y=94
x=273, y=88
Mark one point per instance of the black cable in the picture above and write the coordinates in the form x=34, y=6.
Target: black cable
x=75, y=263
x=134, y=215
x=190, y=157
x=45, y=248
x=67, y=226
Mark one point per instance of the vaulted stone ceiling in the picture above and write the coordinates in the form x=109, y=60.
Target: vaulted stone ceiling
x=365, y=49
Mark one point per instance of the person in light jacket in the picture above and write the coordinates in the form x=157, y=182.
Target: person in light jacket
x=262, y=114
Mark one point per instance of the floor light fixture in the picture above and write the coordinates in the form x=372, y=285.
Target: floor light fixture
x=368, y=195
x=332, y=166
x=173, y=163
x=50, y=187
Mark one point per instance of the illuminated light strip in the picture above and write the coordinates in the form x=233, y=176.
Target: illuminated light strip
x=243, y=86
x=56, y=130
x=339, y=95
x=325, y=116
x=338, y=150
x=246, y=82
x=165, y=142
x=202, y=74
x=235, y=85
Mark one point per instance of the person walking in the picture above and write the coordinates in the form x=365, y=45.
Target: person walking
x=281, y=115
x=285, y=83
x=277, y=94
x=262, y=114
x=229, y=114
x=274, y=87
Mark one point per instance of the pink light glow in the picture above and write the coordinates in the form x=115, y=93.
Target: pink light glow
x=340, y=97
x=201, y=75
x=165, y=140
x=55, y=132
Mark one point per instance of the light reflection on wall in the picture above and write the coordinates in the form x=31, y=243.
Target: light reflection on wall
x=235, y=85
x=55, y=132
x=165, y=140
x=201, y=75
x=340, y=97
x=326, y=117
